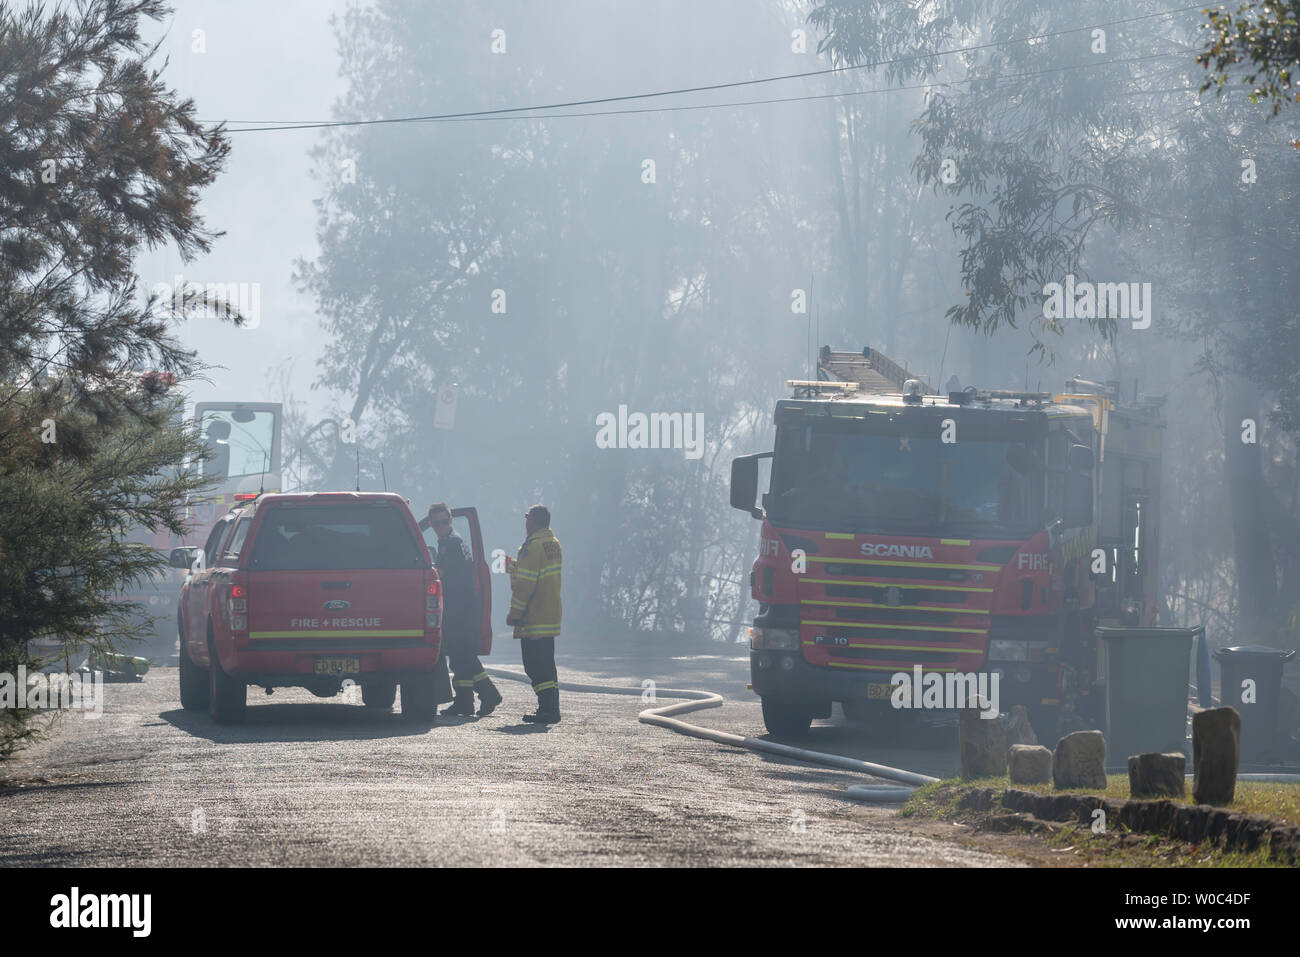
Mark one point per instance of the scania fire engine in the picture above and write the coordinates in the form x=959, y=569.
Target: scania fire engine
x=976, y=531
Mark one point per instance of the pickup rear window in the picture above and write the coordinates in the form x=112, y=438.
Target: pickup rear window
x=312, y=537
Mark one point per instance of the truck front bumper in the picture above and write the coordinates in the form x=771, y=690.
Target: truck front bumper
x=785, y=674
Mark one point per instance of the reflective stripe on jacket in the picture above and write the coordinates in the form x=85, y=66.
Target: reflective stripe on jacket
x=535, y=586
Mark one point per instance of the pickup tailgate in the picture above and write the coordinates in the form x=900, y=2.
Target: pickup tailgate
x=353, y=610
x=334, y=574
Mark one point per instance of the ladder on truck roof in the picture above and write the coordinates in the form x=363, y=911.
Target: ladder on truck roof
x=871, y=369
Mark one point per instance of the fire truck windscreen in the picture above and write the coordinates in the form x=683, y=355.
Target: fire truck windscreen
x=838, y=476
x=240, y=440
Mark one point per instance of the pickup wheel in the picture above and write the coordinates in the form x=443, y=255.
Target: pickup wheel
x=785, y=719
x=194, y=681
x=419, y=696
x=226, y=695
x=379, y=694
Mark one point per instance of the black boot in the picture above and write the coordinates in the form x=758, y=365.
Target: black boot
x=548, y=707
x=464, y=704
x=442, y=683
x=488, y=695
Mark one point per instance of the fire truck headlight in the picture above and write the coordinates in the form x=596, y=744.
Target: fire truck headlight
x=1004, y=650
x=774, y=639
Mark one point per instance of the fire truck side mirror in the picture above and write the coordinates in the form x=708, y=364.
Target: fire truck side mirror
x=744, y=483
x=181, y=557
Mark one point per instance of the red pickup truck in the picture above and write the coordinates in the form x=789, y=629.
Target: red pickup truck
x=310, y=590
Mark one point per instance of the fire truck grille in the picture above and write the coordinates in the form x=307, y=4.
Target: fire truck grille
x=894, y=657
x=868, y=615
x=896, y=615
x=879, y=594
x=855, y=570
x=884, y=635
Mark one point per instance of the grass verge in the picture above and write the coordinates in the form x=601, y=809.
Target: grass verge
x=1116, y=846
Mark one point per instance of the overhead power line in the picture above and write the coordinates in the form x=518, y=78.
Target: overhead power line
x=812, y=96
x=598, y=101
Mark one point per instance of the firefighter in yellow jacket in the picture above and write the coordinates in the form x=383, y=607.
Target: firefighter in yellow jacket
x=535, y=610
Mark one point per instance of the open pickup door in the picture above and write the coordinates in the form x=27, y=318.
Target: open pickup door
x=465, y=520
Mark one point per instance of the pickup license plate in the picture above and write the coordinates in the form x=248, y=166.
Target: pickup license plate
x=878, y=692
x=338, y=666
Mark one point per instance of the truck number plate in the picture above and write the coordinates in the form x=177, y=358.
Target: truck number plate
x=877, y=692
x=338, y=666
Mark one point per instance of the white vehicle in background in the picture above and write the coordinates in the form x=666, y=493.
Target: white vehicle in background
x=244, y=439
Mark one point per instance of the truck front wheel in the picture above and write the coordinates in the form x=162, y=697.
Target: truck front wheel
x=227, y=695
x=786, y=719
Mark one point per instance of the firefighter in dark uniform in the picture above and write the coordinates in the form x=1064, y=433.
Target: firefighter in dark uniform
x=460, y=618
x=535, y=610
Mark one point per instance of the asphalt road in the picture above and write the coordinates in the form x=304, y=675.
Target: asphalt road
x=308, y=781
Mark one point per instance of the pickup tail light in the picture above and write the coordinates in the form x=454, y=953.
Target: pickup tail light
x=237, y=607
x=432, y=604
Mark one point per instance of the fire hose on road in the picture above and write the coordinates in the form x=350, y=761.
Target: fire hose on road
x=665, y=716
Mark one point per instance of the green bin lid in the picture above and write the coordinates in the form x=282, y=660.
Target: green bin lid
x=1254, y=651
x=1108, y=632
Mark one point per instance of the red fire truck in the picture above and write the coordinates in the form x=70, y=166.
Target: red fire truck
x=978, y=530
x=243, y=439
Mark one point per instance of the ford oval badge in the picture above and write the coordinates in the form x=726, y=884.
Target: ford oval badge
x=338, y=604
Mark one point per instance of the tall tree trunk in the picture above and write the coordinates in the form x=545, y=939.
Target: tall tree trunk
x=1248, y=498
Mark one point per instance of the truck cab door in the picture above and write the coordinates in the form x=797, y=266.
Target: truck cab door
x=482, y=575
x=194, y=597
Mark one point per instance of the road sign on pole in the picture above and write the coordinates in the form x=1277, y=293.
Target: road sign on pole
x=444, y=413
